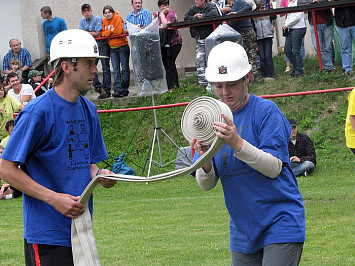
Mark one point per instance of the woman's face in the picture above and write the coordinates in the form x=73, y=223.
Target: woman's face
x=232, y=93
x=108, y=14
x=163, y=7
x=2, y=92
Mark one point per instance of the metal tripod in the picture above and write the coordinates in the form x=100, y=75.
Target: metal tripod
x=156, y=139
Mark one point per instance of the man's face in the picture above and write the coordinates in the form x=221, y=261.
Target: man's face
x=137, y=5
x=84, y=75
x=15, y=46
x=37, y=78
x=87, y=13
x=293, y=132
x=200, y=3
x=15, y=83
x=44, y=15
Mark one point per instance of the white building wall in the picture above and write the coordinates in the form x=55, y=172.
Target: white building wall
x=10, y=21
x=21, y=19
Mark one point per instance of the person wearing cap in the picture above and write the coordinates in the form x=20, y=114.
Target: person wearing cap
x=56, y=164
x=267, y=216
x=93, y=25
x=35, y=78
x=302, y=152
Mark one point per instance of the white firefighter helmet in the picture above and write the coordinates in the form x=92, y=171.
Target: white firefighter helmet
x=73, y=44
x=227, y=61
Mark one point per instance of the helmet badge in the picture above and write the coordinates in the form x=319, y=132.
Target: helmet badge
x=95, y=49
x=223, y=70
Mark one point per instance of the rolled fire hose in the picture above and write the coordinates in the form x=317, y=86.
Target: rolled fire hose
x=196, y=122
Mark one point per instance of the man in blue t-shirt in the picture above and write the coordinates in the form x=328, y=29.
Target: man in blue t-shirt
x=52, y=26
x=139, y=16
x=57, y=142
x=93, y=25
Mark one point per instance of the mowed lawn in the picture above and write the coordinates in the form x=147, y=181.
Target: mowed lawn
x=174, y=222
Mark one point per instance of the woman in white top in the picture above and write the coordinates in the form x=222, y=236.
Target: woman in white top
x=296, y=26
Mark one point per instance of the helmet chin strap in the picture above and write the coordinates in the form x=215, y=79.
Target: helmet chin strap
x=245, y=88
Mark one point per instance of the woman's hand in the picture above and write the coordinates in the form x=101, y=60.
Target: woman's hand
x=228, y=132
x=196, y=145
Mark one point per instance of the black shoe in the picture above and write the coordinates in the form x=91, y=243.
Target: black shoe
x=104, y=95
x=297, y=75
x=99, y=90
x=118, y=94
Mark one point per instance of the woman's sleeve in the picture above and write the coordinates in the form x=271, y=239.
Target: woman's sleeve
x=118, y=26
x=105, y=31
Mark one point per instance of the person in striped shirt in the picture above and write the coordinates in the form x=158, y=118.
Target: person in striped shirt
x=17, y=52
x=139, y=16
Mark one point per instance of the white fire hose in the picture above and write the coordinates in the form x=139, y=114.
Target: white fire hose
x=196, y=122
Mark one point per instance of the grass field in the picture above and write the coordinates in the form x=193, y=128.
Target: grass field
x=174, y=222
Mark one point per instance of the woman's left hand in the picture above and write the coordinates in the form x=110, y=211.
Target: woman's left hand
x=228, y=132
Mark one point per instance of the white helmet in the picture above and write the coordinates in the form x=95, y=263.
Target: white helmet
x=73, y=44
x=227, y=61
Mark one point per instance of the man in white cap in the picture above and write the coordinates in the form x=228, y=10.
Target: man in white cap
x=61, y=142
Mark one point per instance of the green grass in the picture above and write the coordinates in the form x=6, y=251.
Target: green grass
x=174, y=222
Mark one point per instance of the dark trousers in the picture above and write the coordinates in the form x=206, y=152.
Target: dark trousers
x=293, y=45
x=169, y=55
x=48, y=255
x=120, y=59
x=104, y=50
x=265, y=55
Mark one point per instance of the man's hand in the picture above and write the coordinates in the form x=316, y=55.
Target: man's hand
x=107, y=183
x=67, y=205
x=198, y=15
x=295, y=159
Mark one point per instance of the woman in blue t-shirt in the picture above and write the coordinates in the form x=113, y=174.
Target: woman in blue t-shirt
x=267, y=218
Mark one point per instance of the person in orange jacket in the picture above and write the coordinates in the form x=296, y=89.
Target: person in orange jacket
x=112, y=25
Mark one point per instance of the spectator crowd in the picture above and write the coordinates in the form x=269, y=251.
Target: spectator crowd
x=257, y=35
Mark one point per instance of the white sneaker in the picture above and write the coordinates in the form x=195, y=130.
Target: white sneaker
x=288, y=69
x=269, y=79
x=9, y=196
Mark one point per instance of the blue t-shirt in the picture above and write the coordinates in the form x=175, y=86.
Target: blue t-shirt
x=56, y=142
x=51, y=29
x=143, y=18
x=94, y=24
x=262, y=210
